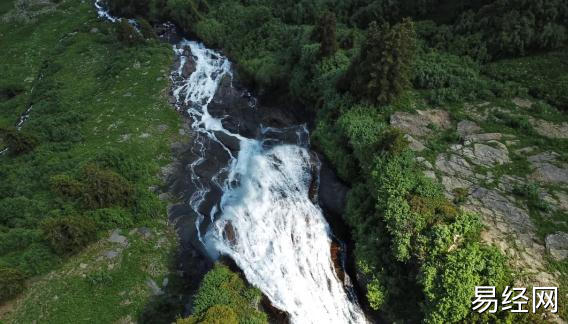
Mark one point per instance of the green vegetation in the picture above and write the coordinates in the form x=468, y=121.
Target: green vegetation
x=81, y=165
x=223, y=297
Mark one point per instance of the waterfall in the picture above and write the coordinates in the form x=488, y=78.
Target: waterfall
x=265, y=220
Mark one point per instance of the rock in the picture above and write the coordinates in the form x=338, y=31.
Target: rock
x=418, y=125
x=484, y=137
x=181, y=131
x=189, y=66
x=94, y=30
x=115, y=237
x=543, y=157
x=144, y=135
x=172, y=100
x=488, y=156
x=522, y=103
x=414, y=144
x=145, y=232
x=83, y=266
x=557, y=245
x=424, y=162
x=165, y=282
x=136, y=65
x=526, y=150
x=162, y=128
x=128, y=94
x=110, y=254
x=550, y=129
x=331, y=192
x=491, y=202
x=164, y=196
x=549, y=174
x=454, y=165
x=451, y=183
x=430, y=174
x=156, y=291
x=466, y=127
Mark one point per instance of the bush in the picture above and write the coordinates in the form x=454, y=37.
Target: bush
x=11, y=283
x=66, y=186
x=104, y=188
x=222, y=289
x=18, y=142
x=109, y=218
x=69, y=234
x=126, y=34
x=10, y=90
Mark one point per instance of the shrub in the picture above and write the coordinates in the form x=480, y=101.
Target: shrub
x=69, y=234
x=104, y=188
x=18, y=142
x=66, y=186
x=109, y=218
x=221, y=289
x=10, y=90
x=126, y=34
x=146, y=29
x=11, y=283
x=99, y=278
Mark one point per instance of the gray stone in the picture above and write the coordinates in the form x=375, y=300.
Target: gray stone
x=172, y=100
x=145, y=232
x=512, y=214
x=418, y=125
x=144, y=135
x=414, y=144
x=430, y=174
x=466, y=127
x=156, y=291
x=526, y=150
x=424, y=162
x=522, y=103
x=543, y=157
x=550, y=174
x=484, y=137
x=451, y=183
x=164, y=196
x=165, y=282
x=115, y=237
x=453, y=165
x=550, y=129
x=162, y=128
x=557, y=245
x=94, y=30
x=488, y=156
x=110, y=254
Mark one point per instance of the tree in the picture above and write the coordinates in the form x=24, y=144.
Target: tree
x=382, y=70
x=326, y=34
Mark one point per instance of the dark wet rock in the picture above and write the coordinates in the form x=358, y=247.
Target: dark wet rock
x=332, y=192
x=234, y=111
x=231, y=142
x=189, y=66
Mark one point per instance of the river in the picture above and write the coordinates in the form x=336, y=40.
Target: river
x=265, y=216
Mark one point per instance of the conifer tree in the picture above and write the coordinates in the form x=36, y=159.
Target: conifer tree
x=326, y=34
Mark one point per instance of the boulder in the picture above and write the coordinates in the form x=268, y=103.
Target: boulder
x=419, y=125
x=414, y=144
x=115, y=237
x=550, y=129
x=522, y=103
x=454, y=165
x=466, y=127
x=488, y=156
x=557, y=245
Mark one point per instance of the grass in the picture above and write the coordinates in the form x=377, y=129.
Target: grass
x=105, y=290
x=544, y=75
x=99, y=98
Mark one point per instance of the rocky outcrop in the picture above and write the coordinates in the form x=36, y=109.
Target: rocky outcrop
x=422, y=123
x=557, y=245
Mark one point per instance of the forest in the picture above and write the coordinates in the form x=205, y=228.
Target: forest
x=351, y=64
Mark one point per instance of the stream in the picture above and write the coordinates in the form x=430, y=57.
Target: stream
x=252, y=193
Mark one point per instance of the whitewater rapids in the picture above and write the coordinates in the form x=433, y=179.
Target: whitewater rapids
x=265, y=220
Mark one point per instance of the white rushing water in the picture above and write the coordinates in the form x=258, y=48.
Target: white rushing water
x=265, y=221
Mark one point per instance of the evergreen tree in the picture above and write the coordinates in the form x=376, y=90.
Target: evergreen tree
x=326, y=34
x=382, y=70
